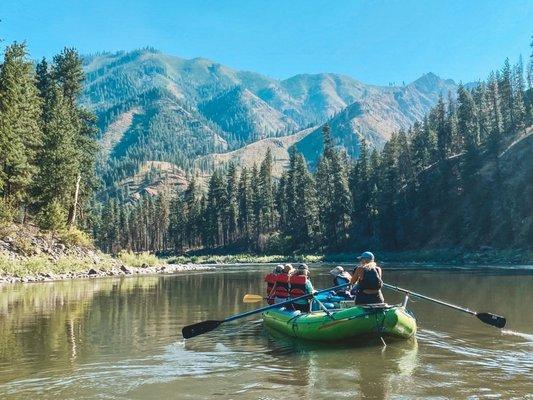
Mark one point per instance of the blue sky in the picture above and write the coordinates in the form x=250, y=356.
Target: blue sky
x=374, y=41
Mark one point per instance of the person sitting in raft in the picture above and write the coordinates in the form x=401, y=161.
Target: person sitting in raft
x=270, y=280
x=368, y=277
x=281, y=293
x=301, y=285
x=341, y=277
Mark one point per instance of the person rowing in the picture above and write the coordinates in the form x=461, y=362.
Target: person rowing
x=340, y=276
x=368, y=278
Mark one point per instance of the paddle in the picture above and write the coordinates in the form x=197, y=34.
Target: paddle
x=252, y=298
x=490, y=319
x=200, y=328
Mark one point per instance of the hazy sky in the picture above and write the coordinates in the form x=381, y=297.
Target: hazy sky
x=373, y=41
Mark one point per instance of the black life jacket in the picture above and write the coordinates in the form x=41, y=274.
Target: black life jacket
x=371, y=280
x=270, y=280
x=282, y=286
x=297, y=285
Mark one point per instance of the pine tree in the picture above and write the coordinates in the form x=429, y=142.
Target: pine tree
x=333, y=192
x=176, y=228
x=215, y=210
x=305, y=225
x=192, y=213
x=468, y=128
x=505, y=89
x=266, y=194
x=67, y=71
x=58, y=164
x=519, y=107
x=20, y=131
x=244, y=199
x=68, y=74
x=494, y=115
x=442, y=129
x=231, y=211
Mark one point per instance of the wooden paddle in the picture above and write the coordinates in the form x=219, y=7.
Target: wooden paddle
x=200, y=328
x=490, y=319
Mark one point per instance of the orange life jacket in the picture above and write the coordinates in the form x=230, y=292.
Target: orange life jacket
x=282, y=286
x=297, y=285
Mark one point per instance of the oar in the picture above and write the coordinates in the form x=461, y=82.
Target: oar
x=207, y=326
x=490, y=319
x=254, y=298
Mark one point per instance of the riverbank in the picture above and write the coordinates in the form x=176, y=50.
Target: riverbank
x=30, y=255
x=440, y=256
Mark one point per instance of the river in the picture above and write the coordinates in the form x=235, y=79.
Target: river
x=120, y=339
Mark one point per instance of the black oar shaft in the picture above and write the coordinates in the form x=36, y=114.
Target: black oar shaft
x=278, y=305
x=199, y=328
x=421, y=296
x=488, y=318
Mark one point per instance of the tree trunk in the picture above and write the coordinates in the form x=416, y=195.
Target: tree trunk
x=74, y=207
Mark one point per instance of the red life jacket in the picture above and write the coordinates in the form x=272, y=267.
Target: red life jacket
x=270, y=279
x=297, y=285
x=282, y=286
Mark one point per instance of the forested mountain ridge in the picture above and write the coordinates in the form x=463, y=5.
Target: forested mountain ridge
x=376, y=117
x=156, y=107
x=459, y=179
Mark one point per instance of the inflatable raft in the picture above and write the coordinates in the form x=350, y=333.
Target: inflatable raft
x=343, y=323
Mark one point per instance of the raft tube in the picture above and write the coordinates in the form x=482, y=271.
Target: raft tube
x=343, y=324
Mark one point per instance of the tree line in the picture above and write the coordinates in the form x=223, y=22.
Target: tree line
x=428, y=183
x=47, y=146
x=441, y=181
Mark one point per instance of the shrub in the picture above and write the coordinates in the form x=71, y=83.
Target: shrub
x=138, y=259
x=76, y=237
x=6, y=212
x=52, y=217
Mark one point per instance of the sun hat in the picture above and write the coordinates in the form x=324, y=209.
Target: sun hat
x=336, y=271
x=303, y=266
x=366, y=256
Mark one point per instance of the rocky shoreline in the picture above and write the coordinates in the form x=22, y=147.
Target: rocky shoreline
x=30, y=255
x=95, y=272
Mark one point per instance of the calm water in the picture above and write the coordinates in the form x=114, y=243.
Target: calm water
x=120, y=339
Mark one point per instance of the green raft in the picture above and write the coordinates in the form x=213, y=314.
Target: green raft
x=343, y=323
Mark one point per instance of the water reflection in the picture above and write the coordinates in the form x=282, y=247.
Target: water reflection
x=120, y=338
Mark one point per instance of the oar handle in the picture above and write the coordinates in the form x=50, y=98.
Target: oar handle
x=421, y=296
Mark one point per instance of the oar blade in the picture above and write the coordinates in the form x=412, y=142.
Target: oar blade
x=199, y=328
x=492, y=319
x=252, y=298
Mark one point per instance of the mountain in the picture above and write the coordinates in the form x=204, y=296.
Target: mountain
x=154, y=107
x=255, y=152
x=246, y=117
x=378, y=114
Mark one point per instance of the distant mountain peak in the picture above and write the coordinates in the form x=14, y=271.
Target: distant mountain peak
x=430, y=82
